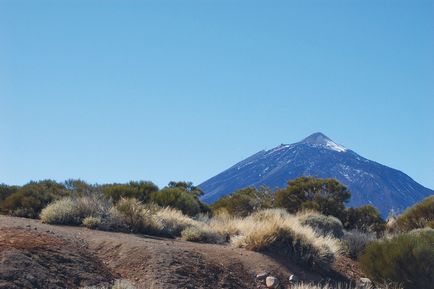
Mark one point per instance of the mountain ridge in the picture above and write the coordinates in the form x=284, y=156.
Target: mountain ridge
x=317, y=155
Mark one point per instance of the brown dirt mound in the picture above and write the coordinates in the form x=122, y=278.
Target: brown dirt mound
x=31, y=259
x=36, y=255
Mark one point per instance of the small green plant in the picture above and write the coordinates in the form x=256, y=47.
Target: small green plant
x=407, y=259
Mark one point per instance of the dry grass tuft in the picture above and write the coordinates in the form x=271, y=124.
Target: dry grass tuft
x=276, y=230
x=137, y=217
x=202, y=233
x=174, y=221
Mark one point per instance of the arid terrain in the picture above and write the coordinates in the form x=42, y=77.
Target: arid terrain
x=36, y=255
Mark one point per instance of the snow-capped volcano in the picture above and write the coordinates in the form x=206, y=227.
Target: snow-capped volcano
x=319, y=156
x=320, y=140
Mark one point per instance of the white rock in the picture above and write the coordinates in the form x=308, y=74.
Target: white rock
x=293, y=279
x=272, y=282
x=262, y=276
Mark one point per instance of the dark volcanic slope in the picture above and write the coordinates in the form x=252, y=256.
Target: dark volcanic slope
x=317, y=155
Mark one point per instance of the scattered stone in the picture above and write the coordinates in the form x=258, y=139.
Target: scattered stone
x=262, y=276
x=272, y=282
x=293, y=279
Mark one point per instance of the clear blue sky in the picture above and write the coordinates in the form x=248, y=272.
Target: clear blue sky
x=179, y=90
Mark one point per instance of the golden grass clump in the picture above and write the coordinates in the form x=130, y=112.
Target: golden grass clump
x=137, y=217
x=276, y=230
x=62, y=212
x=174, y=221
x=201, y=233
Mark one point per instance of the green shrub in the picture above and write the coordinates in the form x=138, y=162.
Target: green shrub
x=92, y=222
x=325, y=225
x=138, y=190
x=326, y=196
x=30, y=199
x=177, y=198
x=244, y=202
x=407, y=259
x=201, y=234
x=366, y=218
x=418, y=216
x=6, y=191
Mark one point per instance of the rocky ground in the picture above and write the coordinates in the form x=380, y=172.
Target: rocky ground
x=36, y=255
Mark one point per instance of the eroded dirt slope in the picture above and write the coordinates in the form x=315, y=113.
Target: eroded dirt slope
x=69, y=257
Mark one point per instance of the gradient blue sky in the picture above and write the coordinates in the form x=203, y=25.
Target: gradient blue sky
x=180, y=90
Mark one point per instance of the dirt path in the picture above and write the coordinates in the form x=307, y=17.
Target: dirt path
x=149, y=262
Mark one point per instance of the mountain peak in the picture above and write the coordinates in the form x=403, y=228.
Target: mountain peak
x=320, y=139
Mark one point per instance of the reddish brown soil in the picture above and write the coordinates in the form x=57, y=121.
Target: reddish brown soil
x=32, y=259
x=149, y=262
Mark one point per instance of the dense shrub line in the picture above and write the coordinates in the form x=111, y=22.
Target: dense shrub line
x=407, y=259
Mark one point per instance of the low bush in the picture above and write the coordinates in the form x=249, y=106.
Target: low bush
x=244, y=202
x=201, y=233
x=326, y=196
x=137, y=217
x=275, y=230
x=324, y=225
x=28, y=200
x=418, y=216
x=61, y=212
x=177, y=198
x=72, y=211
x=92, y=222
x=139, y=190
x=226, y=225
x=174, y=221
x=355, y=242
x=365, y=218
x=407, y=259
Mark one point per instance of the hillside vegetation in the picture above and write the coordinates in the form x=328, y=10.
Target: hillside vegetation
x=307, y=222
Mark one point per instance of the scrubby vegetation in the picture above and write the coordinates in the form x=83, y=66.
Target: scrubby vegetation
x=277, y=231
x=202, y=233
x=325, y=225
x=72, y=210
x=244, y=202
x=326, y=196
x=30, y=199
x=355, y=242
x=407, y=259
x=418, y=216
x=306, y=222
x=366, y=218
